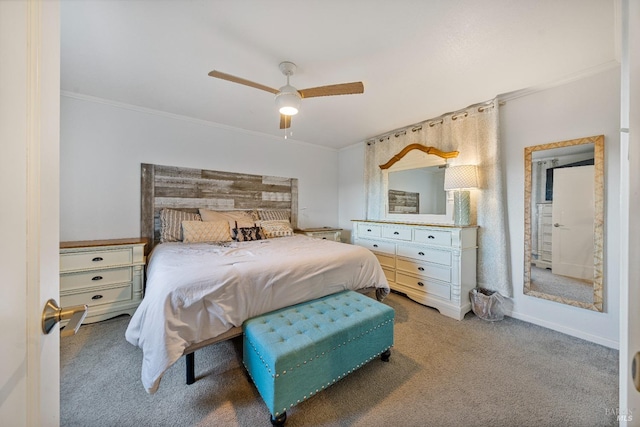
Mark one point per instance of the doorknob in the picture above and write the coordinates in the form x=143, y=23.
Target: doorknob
x=557, y=225
x=52, y=314
x=635, y=375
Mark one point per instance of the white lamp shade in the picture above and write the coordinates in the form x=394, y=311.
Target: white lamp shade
x=460, y=177
x=288, y=100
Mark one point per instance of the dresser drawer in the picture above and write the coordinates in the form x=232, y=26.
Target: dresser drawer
x=95, y=278
x=441, y=290
x=424, y=269
x=386, y=260
x=375, y=246
x=432, y=237
x=368, y=230
x=97, y=296
x=399, y=233
x=389, y=274
x=425, y=254
x=95, y=259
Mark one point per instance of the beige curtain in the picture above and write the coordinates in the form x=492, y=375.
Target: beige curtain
x=474, y=133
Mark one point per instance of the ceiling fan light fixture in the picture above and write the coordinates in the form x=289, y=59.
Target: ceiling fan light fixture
x=288, y=100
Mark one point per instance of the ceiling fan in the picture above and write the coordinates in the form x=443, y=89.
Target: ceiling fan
x=288, y=98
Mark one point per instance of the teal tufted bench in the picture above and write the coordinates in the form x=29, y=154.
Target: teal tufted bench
x=293, y=353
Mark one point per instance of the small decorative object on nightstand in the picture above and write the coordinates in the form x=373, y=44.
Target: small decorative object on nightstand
x=106, y=275
x=326, y=233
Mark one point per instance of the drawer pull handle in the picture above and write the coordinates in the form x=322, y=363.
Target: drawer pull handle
x=396, y=233
x=421, y=253
x=420, y=284
x=369, y=230
x=98, y=259
x=96, y=297
x=375, y=246
x=421, y=268
x=96, y=278
x=431, y=237
x=324, y=238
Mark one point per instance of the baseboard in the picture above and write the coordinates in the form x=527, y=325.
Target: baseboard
x=565, y=330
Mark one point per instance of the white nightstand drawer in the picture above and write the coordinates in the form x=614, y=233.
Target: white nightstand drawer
x=424, y=269
x=432, y=237
x=398, y=233
x=95, y=259
x=368, y=230
x=375, y=246
x=425, y=254
x=97, y=296
x=95, y=278
x=442, y=290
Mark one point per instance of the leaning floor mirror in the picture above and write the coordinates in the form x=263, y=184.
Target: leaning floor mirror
x=564, y=222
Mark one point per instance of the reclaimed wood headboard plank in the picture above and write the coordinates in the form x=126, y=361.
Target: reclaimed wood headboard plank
x=189, y=189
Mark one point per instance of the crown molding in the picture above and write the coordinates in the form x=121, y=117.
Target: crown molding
x=591, y=71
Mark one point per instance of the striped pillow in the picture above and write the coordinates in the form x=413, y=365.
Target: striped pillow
x=206, y=231
x=171, y=224
x=275, y=215
x=273, y=229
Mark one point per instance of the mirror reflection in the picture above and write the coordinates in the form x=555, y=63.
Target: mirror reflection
x=413, y=186
x=563, y=222
x=417, y=191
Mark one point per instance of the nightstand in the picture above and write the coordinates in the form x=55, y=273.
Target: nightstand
x=326, y=233
x=106, y=275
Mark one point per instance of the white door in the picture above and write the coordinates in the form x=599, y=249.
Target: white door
x=572, y=222
x=630, y=206
x=29, y=218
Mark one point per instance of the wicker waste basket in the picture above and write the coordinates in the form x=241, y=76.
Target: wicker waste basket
x=486, y=304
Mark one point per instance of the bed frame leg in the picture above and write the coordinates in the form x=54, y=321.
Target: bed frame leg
x=191, y=368
x=385, y=355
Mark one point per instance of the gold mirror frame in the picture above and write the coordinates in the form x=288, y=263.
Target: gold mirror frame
x=598, y=229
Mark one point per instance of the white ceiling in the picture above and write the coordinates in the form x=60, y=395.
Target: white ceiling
x=417, y=59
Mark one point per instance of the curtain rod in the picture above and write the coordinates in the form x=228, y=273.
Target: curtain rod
x=464, y=112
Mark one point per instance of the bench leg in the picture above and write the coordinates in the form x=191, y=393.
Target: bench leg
x=191, y=368
x=385, y=355
x=279, y=420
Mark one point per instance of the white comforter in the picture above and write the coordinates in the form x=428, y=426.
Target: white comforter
x=195, y=292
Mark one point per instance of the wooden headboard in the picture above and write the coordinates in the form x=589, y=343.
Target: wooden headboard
x=189, y=189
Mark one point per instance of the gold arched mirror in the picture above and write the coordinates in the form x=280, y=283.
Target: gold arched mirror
x=413, y=186
x=564, y=221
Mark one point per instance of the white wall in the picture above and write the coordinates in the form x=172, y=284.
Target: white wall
x=590, y=106
x=102, y=145
x=586, y=107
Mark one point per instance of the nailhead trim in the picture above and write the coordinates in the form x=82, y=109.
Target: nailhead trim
x=362, y=334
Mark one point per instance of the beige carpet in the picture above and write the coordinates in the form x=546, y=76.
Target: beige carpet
x=442, y=372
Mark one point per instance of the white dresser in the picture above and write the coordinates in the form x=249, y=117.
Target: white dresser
x=433, y=265
x=326, y=233
x=545, y=234
x=106, y=275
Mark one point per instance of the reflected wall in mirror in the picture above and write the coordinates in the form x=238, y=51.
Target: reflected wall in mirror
x=564, y=221
x=413, y=186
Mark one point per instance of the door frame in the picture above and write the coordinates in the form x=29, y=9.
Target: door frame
x=30, y=134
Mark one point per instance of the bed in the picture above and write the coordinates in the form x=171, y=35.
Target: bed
x=199, y=293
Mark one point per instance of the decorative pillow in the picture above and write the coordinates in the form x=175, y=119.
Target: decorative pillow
x=245, y=234
x=171, y=224
x=275, y=215
x=273, y=229
x=209, y=231
x=243, y=218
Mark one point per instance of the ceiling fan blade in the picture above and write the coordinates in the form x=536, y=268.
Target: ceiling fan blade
x=234, y=79
x=339, y=89
x=285, y=121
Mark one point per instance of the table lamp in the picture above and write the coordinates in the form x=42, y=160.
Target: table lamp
x=460, y=179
